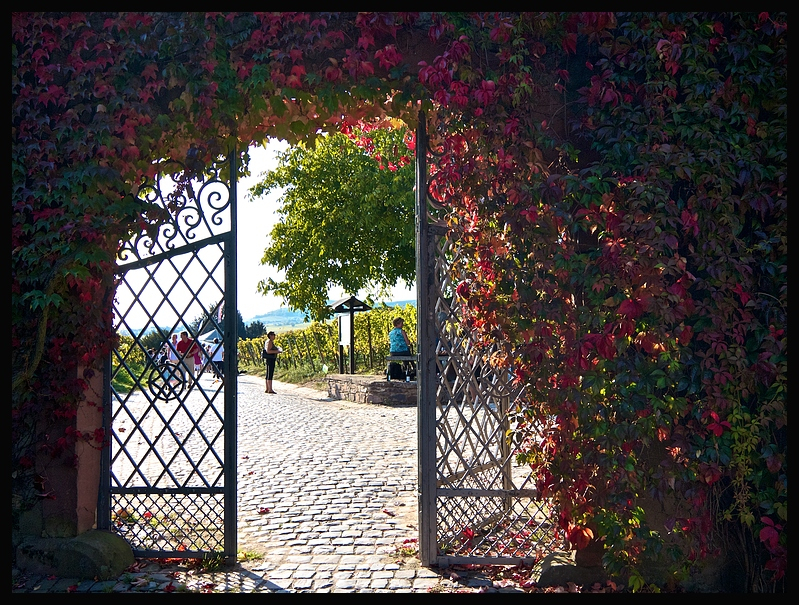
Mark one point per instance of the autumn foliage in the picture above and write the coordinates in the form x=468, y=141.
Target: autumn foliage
x=617, y=183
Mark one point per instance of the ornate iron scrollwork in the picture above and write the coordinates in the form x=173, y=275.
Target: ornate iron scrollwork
x=167, y=381
x=193, y=215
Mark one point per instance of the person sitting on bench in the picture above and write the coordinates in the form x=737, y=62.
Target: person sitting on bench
x=398, y=341
x=399, y=345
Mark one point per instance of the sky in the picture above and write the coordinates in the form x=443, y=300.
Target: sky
x=255, y=218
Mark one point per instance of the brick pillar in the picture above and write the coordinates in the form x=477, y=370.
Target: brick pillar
x=89, y=420
x=74, y=479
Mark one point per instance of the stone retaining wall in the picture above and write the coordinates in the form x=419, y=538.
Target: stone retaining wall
x=362, y=388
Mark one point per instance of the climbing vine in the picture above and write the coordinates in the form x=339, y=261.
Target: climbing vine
x=635, y=269
x=617, y=183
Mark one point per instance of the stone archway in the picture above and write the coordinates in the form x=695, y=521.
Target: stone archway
x=96, y=97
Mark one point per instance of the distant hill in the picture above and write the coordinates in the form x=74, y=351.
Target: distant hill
x=279, y=319
x=287, y=317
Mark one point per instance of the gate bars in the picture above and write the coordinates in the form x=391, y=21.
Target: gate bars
x=169, y=476
x=476, y=506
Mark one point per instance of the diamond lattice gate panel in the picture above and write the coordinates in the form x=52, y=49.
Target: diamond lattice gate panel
x=169, y=475
x=476, y=504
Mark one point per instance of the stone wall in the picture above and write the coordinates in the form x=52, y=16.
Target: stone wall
x=362, y=388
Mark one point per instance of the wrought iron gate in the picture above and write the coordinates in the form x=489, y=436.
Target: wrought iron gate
x=169, y=476
x=475, y=504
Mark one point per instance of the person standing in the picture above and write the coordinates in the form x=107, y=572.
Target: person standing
x=152, y=356
x=271, y=351
x=172, y=357
x=217, y=357
x=172, y=349
x=186, y=349
x=208, y=361
x=198, y=365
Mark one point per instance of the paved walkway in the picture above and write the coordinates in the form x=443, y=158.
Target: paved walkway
x=327, y=495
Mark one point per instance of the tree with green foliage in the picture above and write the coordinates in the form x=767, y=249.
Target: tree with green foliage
x=255, y=329
x=345, y=220
x=154, y=339
x=207, y=321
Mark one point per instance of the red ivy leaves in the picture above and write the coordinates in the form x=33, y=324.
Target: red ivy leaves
x=631, y=309
x=716, y=425
x=745, y=297
x=769, y=535
x=580, y=536
x=388, y=57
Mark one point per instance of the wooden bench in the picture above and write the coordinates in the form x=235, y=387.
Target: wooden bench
x=408, y=363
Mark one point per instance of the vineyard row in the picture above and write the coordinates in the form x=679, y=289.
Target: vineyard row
x=319, y=344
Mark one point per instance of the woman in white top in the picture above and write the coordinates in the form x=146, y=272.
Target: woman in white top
x=217, y=357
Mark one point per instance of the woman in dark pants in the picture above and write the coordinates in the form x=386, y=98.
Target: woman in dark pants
x=271, y=351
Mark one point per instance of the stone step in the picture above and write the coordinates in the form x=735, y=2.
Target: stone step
x=362, y=388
